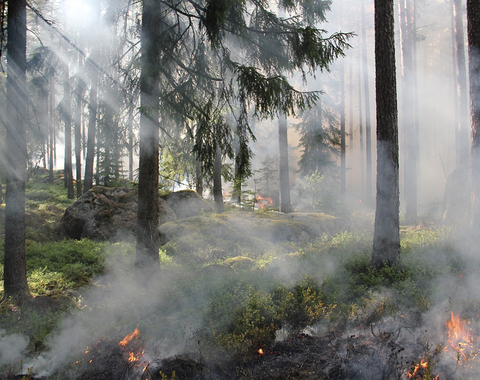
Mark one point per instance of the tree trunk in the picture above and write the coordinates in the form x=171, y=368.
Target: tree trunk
x=237, y=181
x=386, y=240
x=78, y=135
x=473, y=22
x=408, y=114
x=343, y=166
x=51, y=158
x=462, y=135
x=283, y=169
x=217, y=179
x=368, y=123
x=67, y=111
x=130, y=142
x=92, y=126
x=360, y=127
x=199, y=178
x=15, y=274
x=147, y=258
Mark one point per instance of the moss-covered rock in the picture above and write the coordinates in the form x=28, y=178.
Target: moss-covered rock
x=104, y=213
x=186, y=203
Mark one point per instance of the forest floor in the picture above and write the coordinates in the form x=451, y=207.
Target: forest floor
x=265, y=307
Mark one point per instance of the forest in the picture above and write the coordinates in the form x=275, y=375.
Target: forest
x=239, y=189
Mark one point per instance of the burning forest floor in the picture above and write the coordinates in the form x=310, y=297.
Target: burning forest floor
x=253, y=295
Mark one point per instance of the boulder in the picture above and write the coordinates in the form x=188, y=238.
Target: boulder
x=104, y=213
x=186, y=203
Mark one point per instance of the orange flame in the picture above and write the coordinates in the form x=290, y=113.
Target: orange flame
x=459, y=338
x=263, y=202
x=417, y=367
x=129, y=337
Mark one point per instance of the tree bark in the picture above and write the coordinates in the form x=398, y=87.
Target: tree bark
x=461, y=135
x=473, y=22
x=283, y=169
x=51, y=151
x=217, y=179
x=408, y=114
x=92, y=126
x=15, y=274
x=386, y=240
x=67, y=111
x=198, y=178
x=78, y=134
x=147, y=258
x=343, y=166
x=368, y=123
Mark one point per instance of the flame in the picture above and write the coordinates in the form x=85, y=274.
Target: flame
x=460, y=339
x=417, y=367
x=129, y=337
x=263, y=202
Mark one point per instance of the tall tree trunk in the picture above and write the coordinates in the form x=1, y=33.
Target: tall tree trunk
x=78, y=134
x=51, y=158
x=108, y=131
x=360, y=126
x=283, y=169
x=473, y=22
x=198, y=178
x=368, y=123
x=386, y=240
x=350, y=118
x=15, y=273
x=92, y=126
x=130, y=142
x=408, y=114
x=462, y=135
x=237, y=181
x=343, y=166
x=217, y=179
x=147, y=258
x=67, y=112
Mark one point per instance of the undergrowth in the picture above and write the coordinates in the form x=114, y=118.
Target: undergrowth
x=231, y=297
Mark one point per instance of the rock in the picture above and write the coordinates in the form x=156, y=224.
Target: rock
x=104, y=213
x=187, y=203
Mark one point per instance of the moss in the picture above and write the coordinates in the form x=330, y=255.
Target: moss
x=240, y=263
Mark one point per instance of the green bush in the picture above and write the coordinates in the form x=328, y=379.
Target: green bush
x=77, y=260
x=300, y=306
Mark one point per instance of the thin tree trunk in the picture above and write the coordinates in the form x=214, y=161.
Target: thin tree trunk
x=343, y=167
x=67, y=111
x=199, y=178
x=15, y=273
x=368, y=123
x=130, y=142
x=473, y=19
x=51, y=130
x=360, y=127
x=78, y=135
x=462, y=135
x=237, y=181
x=217, y=180
x=386, y=240
x=92, y=126
x=408, y=115
x=350, y=119
x=148, y=239
x=283, y=169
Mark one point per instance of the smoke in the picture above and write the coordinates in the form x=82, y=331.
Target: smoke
x=12, y=349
